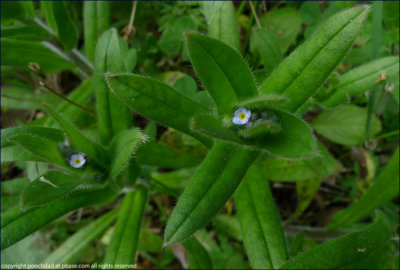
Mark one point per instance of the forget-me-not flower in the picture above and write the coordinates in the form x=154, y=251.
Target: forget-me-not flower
x=77, y=160
x=241, y=116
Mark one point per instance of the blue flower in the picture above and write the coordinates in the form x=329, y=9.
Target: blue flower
x=77, y=160
x=241, y=116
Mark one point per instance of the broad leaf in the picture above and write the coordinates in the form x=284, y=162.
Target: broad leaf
x=122, y=248
x=364, y=249
x=384, y=189
x=222, y=71
x=31, y=32
x=304, y=70
x=345, y=124
x=294, y=141
x=157, y=101
x=47, y=188
x=81, y=240
x=259, y=221
x=211, y=186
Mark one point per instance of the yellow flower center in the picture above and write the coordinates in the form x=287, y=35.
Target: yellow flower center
x=77, y=161
x=242, y=116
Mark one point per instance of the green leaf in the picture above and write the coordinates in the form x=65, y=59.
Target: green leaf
x=122, y=248
x=108, y=58
x=10, y=192
x=222, y=70
x=43, y=148
x=96, y=20
x=90, y=148
x=357, y=250
x=19, y=98
x=52, y=134
x=25, y=32
x=81, y=240
x=17, y=224
x=58, y=19
x=310, y=12
x=294, y=141
x=122, y=148
x=54, y=185
x=222, y=23
x=263, y=101
x=157, y=101
x=172, y=38
x=160, y=155
x=363, y=78
x=384, y=189
x=197, y=255
x=259, y=221
x=229, y=225
x=345, y=124
x=285, y=24
x=33, y=52
x=175, y=180
x=211, y=186
x=306, y=191
x=11, y=11
x=304, y=70
x=268, y=47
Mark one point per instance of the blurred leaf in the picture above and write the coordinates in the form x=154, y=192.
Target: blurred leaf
x=58, y=19
x=384, y=189
x=268, y=47
x=197, y=255
x=306, y=191
x=39, y=193
x=229, y=225
x=345, y=124
x=122, y=248
x=285, y=24
x=34, y=52
x=96, y=20
x=28, y=32
x=172, y=38
x=11, y=10
x=310, y=12
x=149, y=242
x=30, y=250
x=17, y=224
x=363, y=249
x=175, y=180
x=363, y=78
x=75, y=246
x=130, y=55
x=10, y=192
x=160, y=155
x=218, y=66
x=259, y=221
x=222, y=23
x=18, y=98
x=307, y=68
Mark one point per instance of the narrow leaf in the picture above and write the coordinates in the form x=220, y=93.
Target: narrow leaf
x=122, y=248
x=384, y=189
x=304, y=71
x=81, y=240
x=222, y=71
x=17, y=224
x=211, y=186
x=259, y=221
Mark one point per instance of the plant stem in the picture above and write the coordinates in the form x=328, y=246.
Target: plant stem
x=255, y=14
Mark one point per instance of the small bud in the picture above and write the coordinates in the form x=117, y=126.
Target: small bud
x=34, y=66
x=389, y=87
x=370, y=144
x=382, y=77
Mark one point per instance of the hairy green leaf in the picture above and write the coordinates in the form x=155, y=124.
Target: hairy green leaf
x=211, y=186
x=222, y=70
x=157, y=101
x=304, y=70
x=259, y=221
